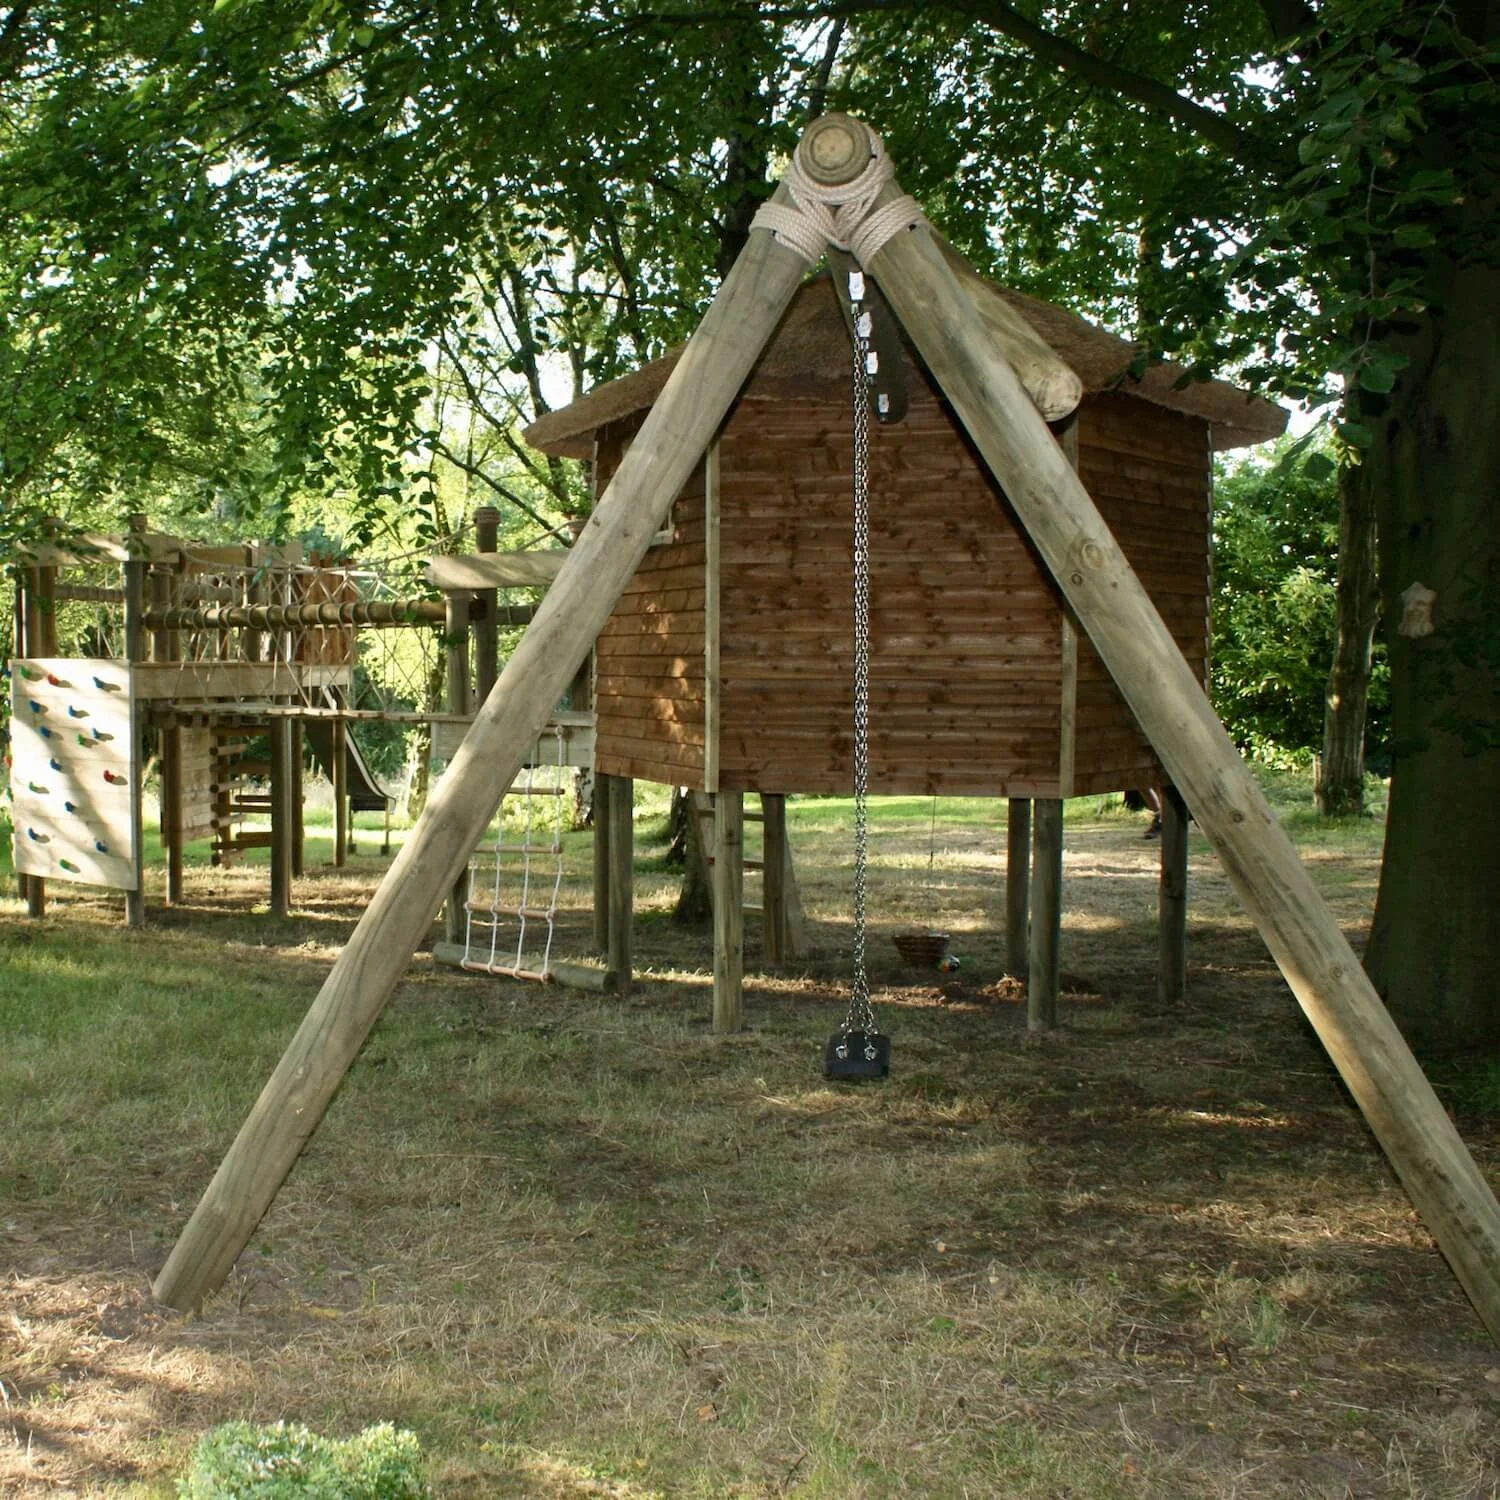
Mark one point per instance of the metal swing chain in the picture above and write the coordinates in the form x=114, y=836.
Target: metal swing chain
x=861, y=1016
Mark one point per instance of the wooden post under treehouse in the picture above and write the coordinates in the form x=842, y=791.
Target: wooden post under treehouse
x=621, y=853
x=1017, y=883
x=1171, y=926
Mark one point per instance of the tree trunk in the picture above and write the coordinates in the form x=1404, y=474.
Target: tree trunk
x=1434, y=469
x=1341, y=780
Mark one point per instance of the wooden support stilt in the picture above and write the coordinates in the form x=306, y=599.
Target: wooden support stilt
x=621, y=879
x=456, y=646
x=1017, y=883
x=338, y=753
x=601, y=862
x=24, y=646
x=136, y=566
x=773, y=861
x=280, y=734
x=171, y=810
x=1168, y=701
x=729, y=911
x=1171, y=967
x=298, y=801
x=1045, y=941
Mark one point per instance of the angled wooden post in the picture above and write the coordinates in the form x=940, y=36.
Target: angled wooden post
x=612, y=544
x=1168, y=701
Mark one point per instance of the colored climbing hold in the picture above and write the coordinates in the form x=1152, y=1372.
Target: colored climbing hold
x=100, y=735
x=37, y=787
x=83, y=739
x=35, y=707
x=77, y=713
x=55, y=763
x=31, y=674
x=101, y=846
x=57, y=681
x=37, y=838
x=71, y=807
x=106, y=687
x=45, y=733
x=114, y=778
x=69, y=866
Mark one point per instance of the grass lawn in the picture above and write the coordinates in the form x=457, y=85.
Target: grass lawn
x=582, y=1247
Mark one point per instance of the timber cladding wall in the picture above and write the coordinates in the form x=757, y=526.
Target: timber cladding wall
x=972, y=682
x=964, y=638
x=1150, y=472
x=649, y=659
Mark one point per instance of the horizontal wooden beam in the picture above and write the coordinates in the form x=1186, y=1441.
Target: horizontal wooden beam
x=496, y=570
x=186, y=681
x=327, y=612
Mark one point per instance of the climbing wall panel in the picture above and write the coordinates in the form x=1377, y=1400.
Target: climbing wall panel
x=74, y=777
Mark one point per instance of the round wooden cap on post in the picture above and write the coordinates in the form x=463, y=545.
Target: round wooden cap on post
x=835, y=149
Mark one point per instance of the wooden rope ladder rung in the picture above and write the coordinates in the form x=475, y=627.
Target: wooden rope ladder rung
x=523, y=910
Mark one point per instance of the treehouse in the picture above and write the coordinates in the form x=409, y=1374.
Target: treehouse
x=727, y=665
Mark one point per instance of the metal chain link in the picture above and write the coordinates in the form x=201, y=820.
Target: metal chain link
x=861, y=1017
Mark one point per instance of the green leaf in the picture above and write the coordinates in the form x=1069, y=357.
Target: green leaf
x=1376, y=377
x=1414, y=236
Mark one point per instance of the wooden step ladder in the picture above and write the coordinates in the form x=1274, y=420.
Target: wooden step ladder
x=233, y=800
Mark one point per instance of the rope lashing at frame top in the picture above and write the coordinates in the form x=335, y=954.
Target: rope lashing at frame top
x=844, y=215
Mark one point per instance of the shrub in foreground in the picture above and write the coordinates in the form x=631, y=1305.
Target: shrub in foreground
x=240, y=1461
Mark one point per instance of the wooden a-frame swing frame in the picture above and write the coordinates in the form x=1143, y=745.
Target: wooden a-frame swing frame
x=937, y=312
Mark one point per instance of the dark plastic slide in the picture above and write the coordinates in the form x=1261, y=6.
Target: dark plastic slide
x=365, y=793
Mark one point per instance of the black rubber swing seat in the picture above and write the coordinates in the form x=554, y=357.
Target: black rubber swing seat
x=857, y=1054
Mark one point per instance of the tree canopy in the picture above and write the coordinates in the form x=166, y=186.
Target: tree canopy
x=273, y=248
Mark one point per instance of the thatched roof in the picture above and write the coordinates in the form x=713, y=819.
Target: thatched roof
x=808, y=358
